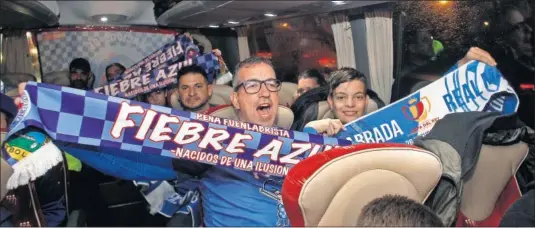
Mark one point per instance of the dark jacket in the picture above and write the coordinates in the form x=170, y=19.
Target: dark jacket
x=457, y=139
x=518, y=74
x=48, y=191
x=521, y=213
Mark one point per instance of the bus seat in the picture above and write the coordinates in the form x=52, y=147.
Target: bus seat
x=331, y=188
x=223, y=92
x=492, y=186
x=324, y=112
x=287, y=92
x=6, y=171
x=60, y=78
x=284, y=118
x=174, y=100
x=220, y=96
x=12, y=81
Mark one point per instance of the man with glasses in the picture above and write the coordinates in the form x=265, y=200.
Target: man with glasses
x=256, y=103
x=232, y=197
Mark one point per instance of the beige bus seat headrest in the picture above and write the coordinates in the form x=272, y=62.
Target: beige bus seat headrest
x=12, y=80
x=287, y=92
x=60, y=78
x=492, y=187
x=331, y=188
x=5, y=172
x=324, y=112
x=284, y=118
x=221, y=94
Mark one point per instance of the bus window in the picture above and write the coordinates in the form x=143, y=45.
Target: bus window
x=295, y=45
x=435, y=34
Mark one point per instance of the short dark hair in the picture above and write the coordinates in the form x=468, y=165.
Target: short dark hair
x=399, y=211
x=343, y=75
x=248, y=62
x=145, y=97
x=305, y=108
x=192, y=69
x=314, y=74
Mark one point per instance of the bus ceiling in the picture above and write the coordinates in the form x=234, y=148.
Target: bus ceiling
x=28, y=14
x=33, y=14
x=202, y=14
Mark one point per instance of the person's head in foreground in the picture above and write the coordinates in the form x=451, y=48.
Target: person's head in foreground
x=255, y=95
x=348, y=94
x=113, y=70
x=397, y=211
x=157, y=97
x=308, y=80
x=80, y=71
x=193, y=88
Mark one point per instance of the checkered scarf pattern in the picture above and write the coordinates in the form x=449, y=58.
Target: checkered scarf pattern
x=182, y=40
x=208, y=62
x=57, y=53
x=85, y=118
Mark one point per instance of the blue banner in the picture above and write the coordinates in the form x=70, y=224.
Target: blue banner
x=474, y=86
x=153, y=135
x=159, y=69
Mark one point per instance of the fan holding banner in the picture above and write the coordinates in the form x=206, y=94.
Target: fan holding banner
x=232, y=156
x=401, y=119
x=242, y=163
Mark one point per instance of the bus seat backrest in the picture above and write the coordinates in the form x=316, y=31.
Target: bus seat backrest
x=324, y=112
x=174, y=100
x=12, y=80
x=356, y=175
x=6, y=171
x=223, y=92
x=286, y=94
x=284, y=118
x=491, y=187
x=60, y=78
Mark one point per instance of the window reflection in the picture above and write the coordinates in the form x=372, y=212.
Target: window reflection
x=435, y=34
x=295, y=44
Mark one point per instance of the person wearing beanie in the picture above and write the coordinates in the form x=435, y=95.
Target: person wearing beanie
x=80, y=74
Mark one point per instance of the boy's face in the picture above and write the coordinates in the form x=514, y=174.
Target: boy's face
x=349, y=101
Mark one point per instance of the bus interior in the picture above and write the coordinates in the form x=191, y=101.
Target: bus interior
x=401, y=46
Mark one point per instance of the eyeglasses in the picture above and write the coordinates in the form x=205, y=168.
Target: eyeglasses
x=254, y=86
